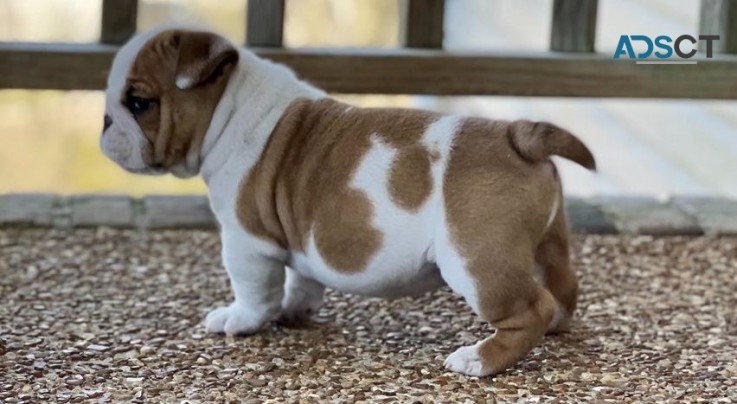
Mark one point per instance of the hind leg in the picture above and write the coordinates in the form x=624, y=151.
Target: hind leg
x=553, y=261
x=498, y=284
x=302, y=298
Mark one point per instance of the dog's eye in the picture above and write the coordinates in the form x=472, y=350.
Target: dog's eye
x=138, y=106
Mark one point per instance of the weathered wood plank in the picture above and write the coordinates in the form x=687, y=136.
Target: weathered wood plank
x=265, y=23
x=84, y=66
x=719, y=17
x=422, y=23
x=55, y=66
x=118, y=20
x=574, y=25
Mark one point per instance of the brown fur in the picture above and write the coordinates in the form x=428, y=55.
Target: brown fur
x=553, y=258
x=176, y=124
x=536, y=141
x=498, y=203
x=301, y=182
x=410, y=180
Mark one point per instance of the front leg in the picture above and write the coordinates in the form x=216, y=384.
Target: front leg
x=256, y=272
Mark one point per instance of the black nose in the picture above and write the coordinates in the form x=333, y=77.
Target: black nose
x=108, y=122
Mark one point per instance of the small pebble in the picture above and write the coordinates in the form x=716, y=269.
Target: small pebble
x=74, y=381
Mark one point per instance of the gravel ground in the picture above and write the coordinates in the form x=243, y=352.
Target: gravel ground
x=106, y=315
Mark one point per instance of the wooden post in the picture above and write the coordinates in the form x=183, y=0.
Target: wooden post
x=118, y=21
x=423, y=23
x=265, y=23
x=574, y=25
x=719, y=17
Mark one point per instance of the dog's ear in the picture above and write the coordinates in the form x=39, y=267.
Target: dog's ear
x=203, y=56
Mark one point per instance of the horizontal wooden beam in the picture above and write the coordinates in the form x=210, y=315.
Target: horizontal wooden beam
x=432, y=72
x=38, y=66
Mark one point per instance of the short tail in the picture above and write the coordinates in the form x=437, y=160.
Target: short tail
x=536, y=141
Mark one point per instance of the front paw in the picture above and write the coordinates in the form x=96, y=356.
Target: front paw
x=234, y=320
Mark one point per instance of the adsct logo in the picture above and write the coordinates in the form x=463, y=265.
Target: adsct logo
x=670, y=51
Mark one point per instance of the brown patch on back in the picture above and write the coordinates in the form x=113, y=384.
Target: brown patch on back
x=410, y=179
x=301, y=183
x=176, y=123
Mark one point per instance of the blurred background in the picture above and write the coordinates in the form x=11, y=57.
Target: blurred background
x=644, y=147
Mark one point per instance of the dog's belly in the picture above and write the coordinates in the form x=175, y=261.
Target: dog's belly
x=402, y=265
x=388, y=280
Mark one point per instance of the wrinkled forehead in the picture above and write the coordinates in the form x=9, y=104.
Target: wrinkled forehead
x=128, y=54
x=123, y=63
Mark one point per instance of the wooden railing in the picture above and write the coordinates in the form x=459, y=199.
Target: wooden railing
x=571, y=68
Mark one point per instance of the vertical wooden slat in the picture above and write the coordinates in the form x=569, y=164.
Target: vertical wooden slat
x=423, y=23
x=574, y=25
x=265, y=23
x=719, y=17
x=118, y=20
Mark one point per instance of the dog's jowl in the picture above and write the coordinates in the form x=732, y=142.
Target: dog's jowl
x=310, y=192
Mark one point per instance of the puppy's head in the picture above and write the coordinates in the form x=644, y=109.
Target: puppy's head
x=162, y=92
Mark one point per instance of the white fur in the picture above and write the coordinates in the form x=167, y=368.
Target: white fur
x=184, y=82
x=467, y=360
x=255, y=99
x=256, y=271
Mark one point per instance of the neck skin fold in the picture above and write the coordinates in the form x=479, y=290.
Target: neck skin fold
x=258, y=93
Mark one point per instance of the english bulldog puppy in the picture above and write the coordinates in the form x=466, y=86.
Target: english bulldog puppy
x=310, y=192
